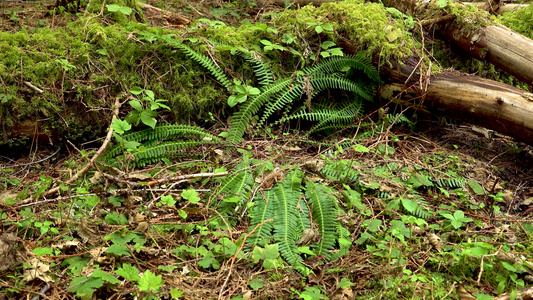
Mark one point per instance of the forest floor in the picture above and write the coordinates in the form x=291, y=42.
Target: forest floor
x=430, y=212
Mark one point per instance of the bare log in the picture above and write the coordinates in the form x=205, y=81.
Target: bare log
x=500, y=9
x=497, y=44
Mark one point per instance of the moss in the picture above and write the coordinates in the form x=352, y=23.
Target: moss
x=103, y=62
x=520, y=20
x=368, y=25
x=470, y=17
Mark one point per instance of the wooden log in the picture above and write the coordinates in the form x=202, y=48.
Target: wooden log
x=497, y=44
x=500, y=9
x=460, y=96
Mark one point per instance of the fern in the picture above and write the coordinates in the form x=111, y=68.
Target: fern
x=146, y=155
x=247, y=110
x=262, y=211
x=338, y=63
x=161, y=132
x=324, y=214
x=340, y=171
x=207, y=63
x=285, y=222
x=414, y=208
x=262, y=72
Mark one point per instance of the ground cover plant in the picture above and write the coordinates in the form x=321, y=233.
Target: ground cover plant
x=310, y=189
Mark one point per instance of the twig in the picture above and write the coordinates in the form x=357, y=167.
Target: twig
x=237, y=254
x=30, y=85
x=167, y=179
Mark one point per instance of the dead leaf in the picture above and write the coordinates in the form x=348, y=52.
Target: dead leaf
x=35, y=269
x=8, y=243
x=89, y=232
x=462, y=294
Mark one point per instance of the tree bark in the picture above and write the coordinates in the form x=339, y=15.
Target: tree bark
x=497, y=44
x=498, y=10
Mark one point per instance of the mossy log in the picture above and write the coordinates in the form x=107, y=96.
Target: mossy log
x=500, y=9
x=496, y=44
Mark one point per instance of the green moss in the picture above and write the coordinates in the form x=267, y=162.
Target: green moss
x=469, y=17
x=103, y=62
x=520, y=20
x=367, y=25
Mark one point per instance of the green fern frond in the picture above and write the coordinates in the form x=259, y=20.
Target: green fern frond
x=207, y=63
x=340, y=171
x=414, y=208
x=262, y=73
x=159, y=133
x=337, y=63
x=247, y=110
x=149, y=154
x=262, y=211
x=324, y=214
x=289, y=96
x=324, y=82
x=285, y=224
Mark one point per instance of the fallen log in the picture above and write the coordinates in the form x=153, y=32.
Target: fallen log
x=500, y=9
x=461, y=96
x=497, y=44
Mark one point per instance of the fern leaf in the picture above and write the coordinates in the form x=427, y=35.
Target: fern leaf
x=207, y=63
x=337, y=63
x=247, y=110
x=262, y=211
x=285, y=222
x=324, y=214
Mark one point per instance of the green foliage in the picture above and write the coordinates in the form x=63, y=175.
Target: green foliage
x=289, y=218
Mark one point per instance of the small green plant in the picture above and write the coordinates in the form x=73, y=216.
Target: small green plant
x=243, y=92
x=144, y=108
x=458, y=219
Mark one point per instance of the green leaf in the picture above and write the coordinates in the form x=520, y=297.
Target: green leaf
x=269, y=252
x=148, y=118
x=105, y=276
x=136, y=90
x=361, y=148
x=175, y=293
x=345, y=283
x=120, y=126
x=306, y=250
x=327, y=27
x=40, y=251
x=234, y=199
x=190, y=195
x=319, y=29
x=115, y=218
x=442, y=3
x=483, y=297
x=476, y=251
x=150, y=282
x=129, y=272
x=256, y=284
x=136, y=105
x=118, y=8
x=209, y=260
x=236, y=99
x=476, y=187
x=118, y=250
x=150, y=94
x=168, y=200
x=84, y=287
x=327, y=44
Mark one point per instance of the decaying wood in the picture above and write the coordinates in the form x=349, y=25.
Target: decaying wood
x=522, y=294
x=152, y=12
x=496, y=44
x=500, y=9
